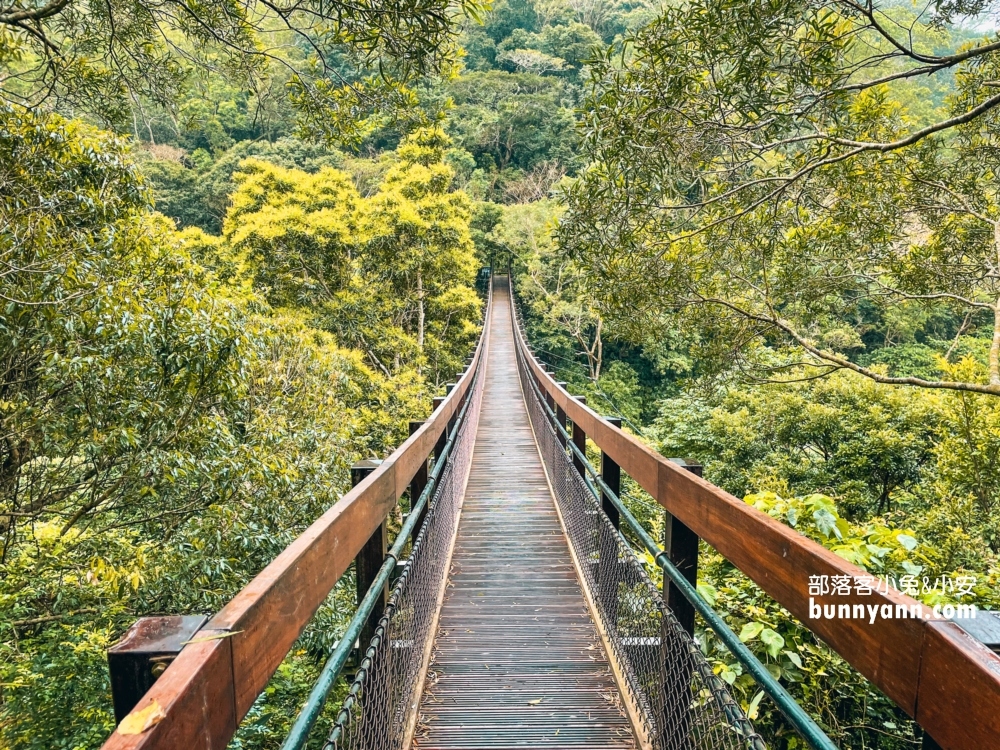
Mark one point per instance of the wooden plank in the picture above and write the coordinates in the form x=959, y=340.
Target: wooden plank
x=514, y=629
x=780, y=560
x=270, y=613
x=275, y=607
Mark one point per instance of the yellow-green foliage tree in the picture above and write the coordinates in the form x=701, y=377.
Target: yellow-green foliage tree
x=172, y=413
x=390, y=275
x=419, y=258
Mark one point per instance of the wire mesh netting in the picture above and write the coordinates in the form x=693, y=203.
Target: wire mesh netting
x=381, y=704
x=681, y=703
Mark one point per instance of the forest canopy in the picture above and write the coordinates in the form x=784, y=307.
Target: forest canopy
x=833, y=176
x=244, y=245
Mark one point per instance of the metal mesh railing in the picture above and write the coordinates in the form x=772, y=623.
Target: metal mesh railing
x=681, y=703
x=381, y=704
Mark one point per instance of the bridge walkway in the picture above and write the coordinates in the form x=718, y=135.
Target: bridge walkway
x=517, y=661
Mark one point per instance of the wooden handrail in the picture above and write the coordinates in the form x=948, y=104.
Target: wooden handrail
x=936, y=672
x=211, y=685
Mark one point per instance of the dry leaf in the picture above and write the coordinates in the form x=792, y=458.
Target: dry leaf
x=138, y=722
x=215, y=637
x=535, y=702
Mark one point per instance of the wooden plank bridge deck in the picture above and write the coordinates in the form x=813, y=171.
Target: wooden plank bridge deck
x=517, y=661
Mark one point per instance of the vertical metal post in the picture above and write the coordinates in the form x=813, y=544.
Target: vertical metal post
x=417, y=484
x=439, y=445
x=608, y=569
x=611, y=473
x=580, y=441
x=681, y=546
x=143, y=654
x=548, y=396
x=561, y=417
x=454, y=417
x=370, y=559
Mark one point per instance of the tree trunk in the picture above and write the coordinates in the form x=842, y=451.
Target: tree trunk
x=420, y=311
x=598, y=350
x=995, y=346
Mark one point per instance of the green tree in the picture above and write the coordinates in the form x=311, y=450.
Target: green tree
x=109, y=59
x=552, y=287
x=787, y=194
x=293, y=232
x=166, y=432
x=390, y=275
x=512, y=120
x=859, y=441
x=419, y=253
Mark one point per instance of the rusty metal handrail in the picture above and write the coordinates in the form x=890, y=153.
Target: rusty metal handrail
x=211, y=685
x=947, y=681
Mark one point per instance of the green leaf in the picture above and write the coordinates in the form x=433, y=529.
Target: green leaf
x=754, y=707
x=913, y=570
x=908, y=542
x=826, y=522
x=772, y=640
x=750, y=631
x=708, y=592
x=794, y=658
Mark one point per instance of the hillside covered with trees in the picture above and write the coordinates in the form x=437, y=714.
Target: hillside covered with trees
x=244, y=244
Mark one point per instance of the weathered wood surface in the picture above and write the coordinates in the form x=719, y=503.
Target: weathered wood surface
x=211, y=685
x=931, y=669
x=517, y=659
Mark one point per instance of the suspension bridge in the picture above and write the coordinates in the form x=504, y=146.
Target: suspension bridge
x=522, y=605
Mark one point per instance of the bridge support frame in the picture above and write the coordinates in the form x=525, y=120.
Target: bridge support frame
x=418, y=483
x=369, y=560
x=439, y=445
x=580, y=441
x=451, y=422
x=681, y=546
x=561, y=416
x=611, y=473
x=143, y=654
x=607, y=583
